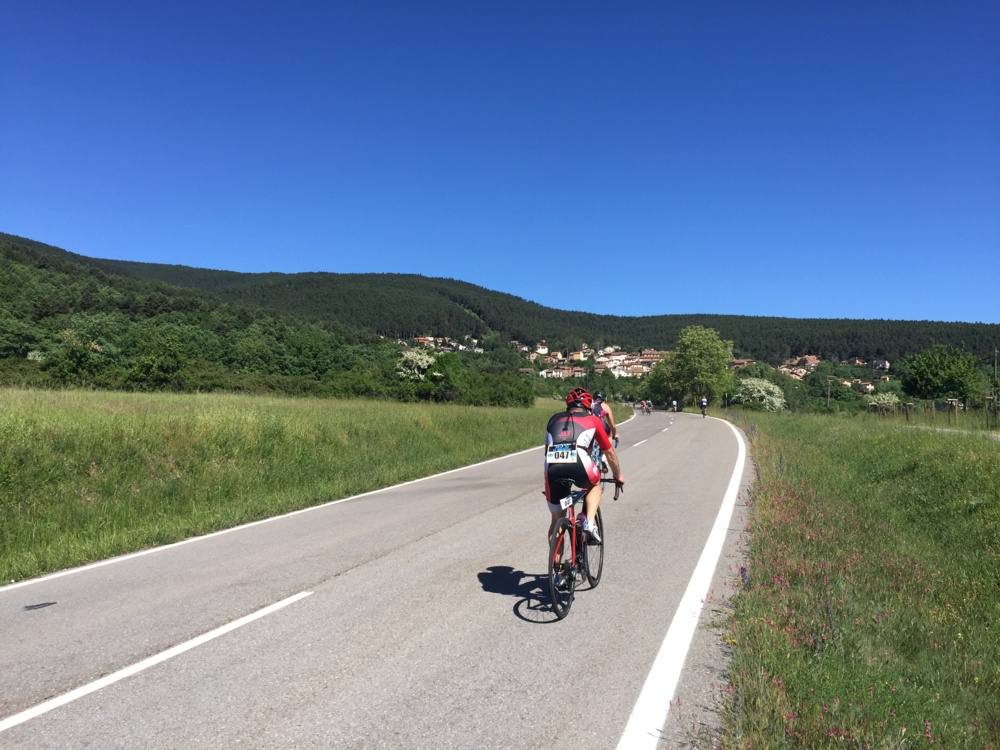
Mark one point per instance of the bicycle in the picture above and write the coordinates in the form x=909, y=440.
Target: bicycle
x=574, y=555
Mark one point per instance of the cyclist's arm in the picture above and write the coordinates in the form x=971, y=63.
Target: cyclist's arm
x=616, y=469
x=609, y=450
x=611, y=419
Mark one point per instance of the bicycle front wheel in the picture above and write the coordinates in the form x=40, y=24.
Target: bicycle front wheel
x=595, y=553
x=562, y=577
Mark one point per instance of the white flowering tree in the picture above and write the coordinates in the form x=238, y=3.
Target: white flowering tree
x=758, y=393
x=885, y=401
x=413, y=364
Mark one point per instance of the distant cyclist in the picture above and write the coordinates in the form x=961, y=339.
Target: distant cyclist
x=704, y=406
x=673, y=405
x=603, y=412
x=574, y=440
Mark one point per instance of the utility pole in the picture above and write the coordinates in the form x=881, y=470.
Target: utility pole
x=829, y=379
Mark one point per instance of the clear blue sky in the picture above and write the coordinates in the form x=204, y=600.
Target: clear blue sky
x=803, y=159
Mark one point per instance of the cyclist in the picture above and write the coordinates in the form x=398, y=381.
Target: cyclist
x=704, y=406
x=574, y=440
x=603, y=412
x=673, y=405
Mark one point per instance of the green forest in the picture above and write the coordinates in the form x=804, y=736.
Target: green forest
x=66, y=319
x=403, y=306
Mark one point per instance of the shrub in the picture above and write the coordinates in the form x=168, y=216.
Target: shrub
x=758, y=393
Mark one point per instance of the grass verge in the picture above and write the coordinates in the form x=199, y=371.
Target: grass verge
x=870, y=615
x=86, y=475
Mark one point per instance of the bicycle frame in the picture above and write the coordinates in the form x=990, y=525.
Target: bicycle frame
x=570, y=515
x=572, y=565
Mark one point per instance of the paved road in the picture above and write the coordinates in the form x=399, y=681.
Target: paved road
x=426, y=626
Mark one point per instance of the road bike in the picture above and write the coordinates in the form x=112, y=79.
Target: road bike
x=574, y=555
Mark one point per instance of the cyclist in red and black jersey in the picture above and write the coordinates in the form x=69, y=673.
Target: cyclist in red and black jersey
x=574, y=440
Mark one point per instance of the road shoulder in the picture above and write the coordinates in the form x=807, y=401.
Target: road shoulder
x=695, y=719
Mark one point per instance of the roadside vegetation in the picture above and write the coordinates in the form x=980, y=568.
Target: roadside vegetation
x=65, y=321
x=871, y=596
x=87, y=475
x=50, y=285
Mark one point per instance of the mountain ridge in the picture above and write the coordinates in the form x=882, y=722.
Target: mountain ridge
x=408, y=305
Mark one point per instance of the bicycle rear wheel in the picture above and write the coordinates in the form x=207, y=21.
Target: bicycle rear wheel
x=562, y=577
x=595, y=554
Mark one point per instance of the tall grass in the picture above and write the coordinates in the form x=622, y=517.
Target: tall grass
x=871, y=611
x=86, y=475
x=971, y=419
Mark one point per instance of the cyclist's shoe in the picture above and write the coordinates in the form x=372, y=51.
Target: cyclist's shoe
x=591, y=528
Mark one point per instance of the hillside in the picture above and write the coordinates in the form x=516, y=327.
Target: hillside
x=66, y=320
x=398, y=305
x=401, y=305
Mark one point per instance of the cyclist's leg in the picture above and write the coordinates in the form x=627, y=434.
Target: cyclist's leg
x=556, y=489
x=593, y=501
x=556, y=515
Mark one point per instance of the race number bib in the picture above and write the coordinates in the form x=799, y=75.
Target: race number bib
x=561, y=453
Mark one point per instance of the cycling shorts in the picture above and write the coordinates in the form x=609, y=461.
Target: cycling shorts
x=560, y=478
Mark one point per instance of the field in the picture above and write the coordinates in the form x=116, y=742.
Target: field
x=975, y=420
x=870, y=609
x=86, y=475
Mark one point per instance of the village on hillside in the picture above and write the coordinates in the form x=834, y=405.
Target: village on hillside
x=551, y=363
x=557, y=364
x=799, y=367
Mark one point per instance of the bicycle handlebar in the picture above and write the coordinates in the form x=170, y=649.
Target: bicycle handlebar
x=619, y=486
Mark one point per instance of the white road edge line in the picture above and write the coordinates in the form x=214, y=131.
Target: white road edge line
x=649, y=715
x=121, y=674
x=639, y=443
x=220, y=532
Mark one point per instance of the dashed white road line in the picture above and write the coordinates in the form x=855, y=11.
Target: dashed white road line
x=639, y=443
x=153, y=550
x=665, y=429
x=121, y=674
x=643, y=731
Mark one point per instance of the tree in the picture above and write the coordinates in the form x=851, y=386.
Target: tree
x=700, y=365
x=758, y=393
x=882, y=401
x=659, y=385
x=942, y=372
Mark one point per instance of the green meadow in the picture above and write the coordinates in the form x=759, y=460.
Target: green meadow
x=86, y=475
x=870, y=609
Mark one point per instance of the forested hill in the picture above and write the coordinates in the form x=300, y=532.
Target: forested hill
x=66, y=320
x=399, y=305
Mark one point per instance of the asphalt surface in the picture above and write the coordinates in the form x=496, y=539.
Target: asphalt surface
x=427, y=627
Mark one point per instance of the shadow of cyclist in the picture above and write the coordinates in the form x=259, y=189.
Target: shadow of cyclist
x=533, y=604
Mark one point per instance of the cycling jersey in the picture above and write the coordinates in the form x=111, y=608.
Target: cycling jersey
x=573, y=444
x=602, y=414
